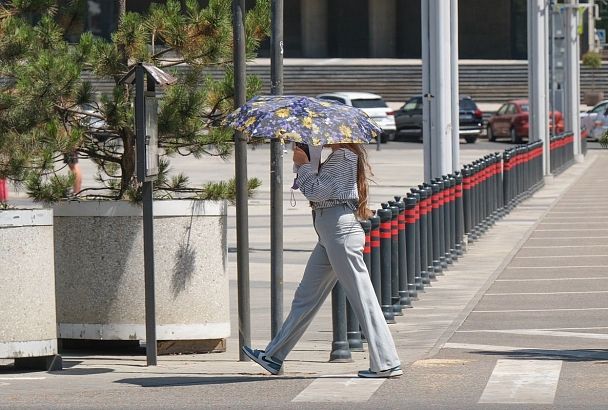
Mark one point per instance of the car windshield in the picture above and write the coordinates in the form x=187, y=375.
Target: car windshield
x=466, y=104
x=524, y=107
x=369, y=103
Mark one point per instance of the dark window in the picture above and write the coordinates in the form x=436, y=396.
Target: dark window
x=329, y=97
x=466, y=104
x=503, y=109
x=369, y=103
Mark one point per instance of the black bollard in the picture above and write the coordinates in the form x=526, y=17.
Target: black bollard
x=460, y=246
x=418, y=267
x=376, y=271
x=452, y=209
x=428, y=245
x=421, y=238
x=437, y=268
x=410, y=247
x=441, y=219
x=385, y=264
x=395, y=299
x=340, y=353
x=404, y=298
x=447, y=219
x=424, y=260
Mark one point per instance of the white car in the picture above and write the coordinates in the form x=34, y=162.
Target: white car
x=372, y=104
x=595, y=121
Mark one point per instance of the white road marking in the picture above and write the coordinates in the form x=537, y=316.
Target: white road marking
x=549, y=328
x=22, y=378
x=550, y=279
x=560, y=256
x=339, y=389
x=566, y=246
x=539, y=310
x=544, y=332
x=523, y=381
x=571, y=237
x=571, y=230
x=546, y=293
x=557, y=267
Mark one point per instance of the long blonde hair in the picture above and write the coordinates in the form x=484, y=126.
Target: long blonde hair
x=364, y=173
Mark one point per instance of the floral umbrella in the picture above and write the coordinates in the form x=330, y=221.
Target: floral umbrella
x=307, y=120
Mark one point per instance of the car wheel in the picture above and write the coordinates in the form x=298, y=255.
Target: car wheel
x=470, y=140
x=491, y=136
x=384, y=138
x=515, y=139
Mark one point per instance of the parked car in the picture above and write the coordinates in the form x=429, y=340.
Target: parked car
x=372, y=104
x=511, y=121
x=595, y=121
x=408, y=119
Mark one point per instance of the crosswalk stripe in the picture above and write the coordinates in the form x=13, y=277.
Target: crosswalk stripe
x=334, y=389
x=523, y=381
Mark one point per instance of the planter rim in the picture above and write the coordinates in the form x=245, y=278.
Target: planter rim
x=13, y=218
x=126, y=208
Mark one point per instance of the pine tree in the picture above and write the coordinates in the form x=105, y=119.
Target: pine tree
x=46, y=109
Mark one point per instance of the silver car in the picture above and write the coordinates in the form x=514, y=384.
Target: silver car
x=595, y=121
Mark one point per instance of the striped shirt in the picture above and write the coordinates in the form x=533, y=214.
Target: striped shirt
x=334, y=184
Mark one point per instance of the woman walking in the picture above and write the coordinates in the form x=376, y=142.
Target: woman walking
x=338, y=193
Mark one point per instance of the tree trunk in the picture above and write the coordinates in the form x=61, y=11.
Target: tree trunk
x=127, y=165
x=122, y=8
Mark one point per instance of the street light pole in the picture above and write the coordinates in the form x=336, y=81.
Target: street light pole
x=537, y=80
x=276, y=175
x=455, y=89
x=437, y=89
x=240, y=151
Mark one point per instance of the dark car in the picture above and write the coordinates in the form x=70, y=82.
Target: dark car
x=408, y=119
x=511, y=121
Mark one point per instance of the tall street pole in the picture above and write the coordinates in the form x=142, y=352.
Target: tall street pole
x=276, y=175
x=537, y=78
x=454, y=80
x=240, y=151
x=437, y=89
x=572, y=69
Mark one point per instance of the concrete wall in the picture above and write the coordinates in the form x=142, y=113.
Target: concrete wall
x=27, y=284
x=100, y=270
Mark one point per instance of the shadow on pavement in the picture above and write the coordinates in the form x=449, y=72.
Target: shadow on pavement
x=574, y=355
x=173, y=381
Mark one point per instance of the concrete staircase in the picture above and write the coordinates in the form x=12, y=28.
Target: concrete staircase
x=486, y=81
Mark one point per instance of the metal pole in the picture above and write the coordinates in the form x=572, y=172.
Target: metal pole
x=276, y=176
x=147, y=188
x=340, y=352
x=537, y=69
x=240, y=156
x=426, y=89
x=454, y=85
x=572, y=116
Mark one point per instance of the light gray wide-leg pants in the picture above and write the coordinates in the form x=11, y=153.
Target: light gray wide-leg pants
x=337, y=256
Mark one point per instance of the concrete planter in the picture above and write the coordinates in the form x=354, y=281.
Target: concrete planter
x=28, y=327
x=593, y=97
x=99, y=269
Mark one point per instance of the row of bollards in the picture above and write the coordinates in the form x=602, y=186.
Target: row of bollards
x=413, y=239
x=562, y=152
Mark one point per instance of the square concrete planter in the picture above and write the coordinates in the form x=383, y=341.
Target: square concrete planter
x=28, y=325
x=99, y=268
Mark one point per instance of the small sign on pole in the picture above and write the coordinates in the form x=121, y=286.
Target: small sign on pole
x=146, y=77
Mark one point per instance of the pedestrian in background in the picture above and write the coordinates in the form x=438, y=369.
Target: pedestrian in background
x=338, y=193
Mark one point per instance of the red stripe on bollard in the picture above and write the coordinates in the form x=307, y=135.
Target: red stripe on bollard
x=395, y=227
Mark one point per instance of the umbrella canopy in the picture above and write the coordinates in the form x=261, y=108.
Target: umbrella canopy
x=307, y=120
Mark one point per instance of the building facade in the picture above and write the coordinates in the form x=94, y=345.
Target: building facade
x=493, y=29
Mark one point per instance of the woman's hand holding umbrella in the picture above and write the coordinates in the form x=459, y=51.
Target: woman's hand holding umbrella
x=300, y=157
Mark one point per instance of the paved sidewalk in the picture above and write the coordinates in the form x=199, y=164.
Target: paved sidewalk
x=480, y=318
